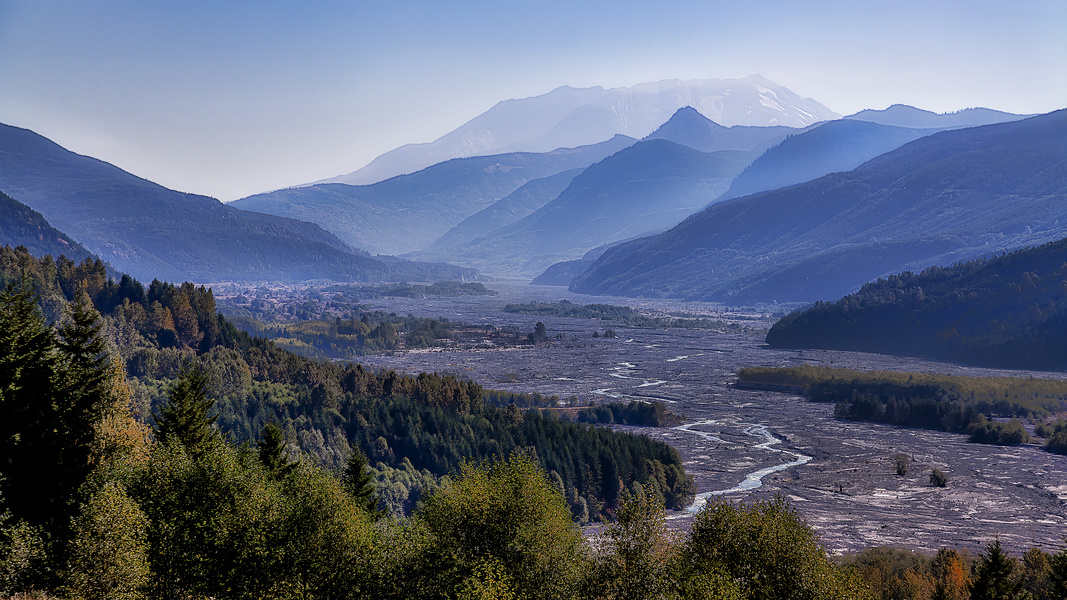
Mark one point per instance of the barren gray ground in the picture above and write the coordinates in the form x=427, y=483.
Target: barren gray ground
x=843, y=482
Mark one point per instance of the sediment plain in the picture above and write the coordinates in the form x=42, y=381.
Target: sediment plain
x=754, y=444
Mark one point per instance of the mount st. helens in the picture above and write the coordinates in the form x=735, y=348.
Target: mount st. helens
x=569, y=117
x=950, y=196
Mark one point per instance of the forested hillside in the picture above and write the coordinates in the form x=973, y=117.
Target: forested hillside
x=1007, y=311
x=409, y=426
x=20, y=225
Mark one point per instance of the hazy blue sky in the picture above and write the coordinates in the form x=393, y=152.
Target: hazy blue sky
x=232, y=97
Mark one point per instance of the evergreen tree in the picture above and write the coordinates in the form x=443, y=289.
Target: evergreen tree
x=185, y=419
x=359, y=484
x=54, y=394
x=28, y=362
x=995, y=578
x=272, y=452
x=1058, y=574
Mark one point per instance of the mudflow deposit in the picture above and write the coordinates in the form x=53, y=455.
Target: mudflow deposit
x=754, y=444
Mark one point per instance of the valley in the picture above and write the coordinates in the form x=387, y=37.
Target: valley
x=838, y=474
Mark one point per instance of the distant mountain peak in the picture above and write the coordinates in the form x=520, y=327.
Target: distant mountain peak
x=568, y=117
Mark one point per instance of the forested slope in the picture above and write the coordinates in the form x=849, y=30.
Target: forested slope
x=1007, y=311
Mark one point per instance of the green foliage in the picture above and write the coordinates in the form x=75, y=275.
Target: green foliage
x=505, y=513
x=539, y=335
x=643, y=552
x=893, y=573
x=1058, y=573
x=991, y=432
x=636, y=412
x=53, y=391
x=900, y=463
x=1056, y=437
x=109, y=553
x=996, y=575
x=272, y=452
x=767, y=549
x=326, y=543
x=359, y=483
x=24, y=559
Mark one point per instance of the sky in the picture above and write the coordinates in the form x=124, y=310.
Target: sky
x=232, y=98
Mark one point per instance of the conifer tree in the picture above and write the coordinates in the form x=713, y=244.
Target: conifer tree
x=272, y=452
x=359, y=484
x=185, y=419
x=995, y=578
x=28, y=361
x=1058, y=573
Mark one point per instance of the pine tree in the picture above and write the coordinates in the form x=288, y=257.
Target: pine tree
x=1058, y=573
x=359, y=484
x=53, y=394
x=28, y=362
x=185, y=419
x=995, y=578
x=272, y=452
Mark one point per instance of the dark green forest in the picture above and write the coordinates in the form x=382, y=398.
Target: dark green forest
x=989, y=409
x=1007, y=311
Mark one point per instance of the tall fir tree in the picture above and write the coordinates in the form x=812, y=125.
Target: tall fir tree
x=54, y=393
x=271, y=448
x=995, y=577
x=359, y=484
x=28, y=363
x=186, y=417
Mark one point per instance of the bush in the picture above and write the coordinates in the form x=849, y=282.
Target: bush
x=900, y=461
x=938, y=478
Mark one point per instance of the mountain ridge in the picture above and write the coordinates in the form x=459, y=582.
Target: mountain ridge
x=406, y=213
x=942, y=198
x=150, y=232
x=569, y=117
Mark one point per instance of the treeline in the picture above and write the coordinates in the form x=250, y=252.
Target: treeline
x=1008, y=311
x=635, y=412
x=432, y=421
x=443, y=289
x=371, y=332
x=622, y=314
x=945, y=402
x=952, y=574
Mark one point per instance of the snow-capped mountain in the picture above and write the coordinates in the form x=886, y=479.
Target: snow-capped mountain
x=569, y=117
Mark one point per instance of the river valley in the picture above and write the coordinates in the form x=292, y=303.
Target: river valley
x=748, y=444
